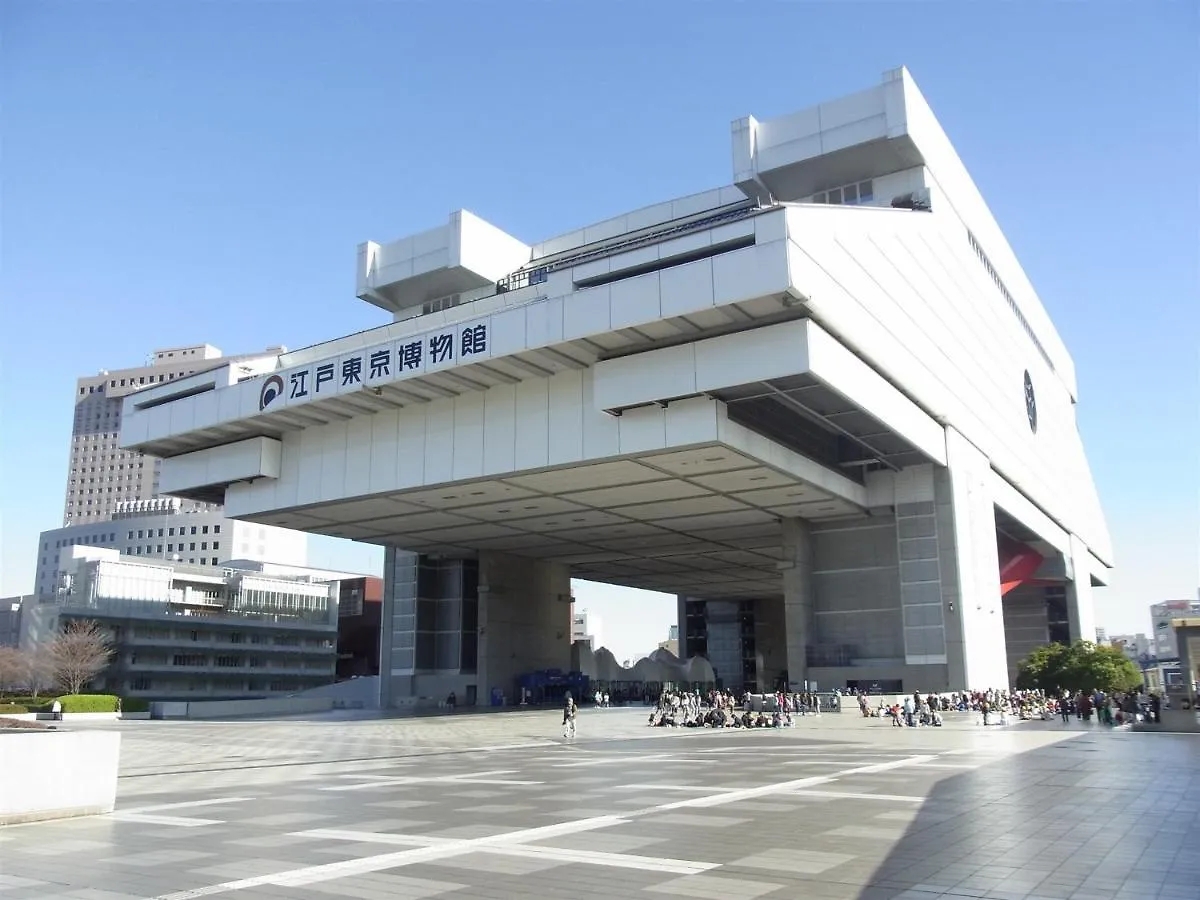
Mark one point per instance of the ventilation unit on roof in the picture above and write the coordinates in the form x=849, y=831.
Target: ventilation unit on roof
x=915, y=200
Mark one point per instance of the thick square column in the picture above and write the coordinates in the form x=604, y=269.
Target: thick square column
x=797, y=570
x=975, y=646
x=524, y=620
x=1081, y=612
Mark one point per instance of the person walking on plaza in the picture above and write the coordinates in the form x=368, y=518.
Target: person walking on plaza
x=569, y=712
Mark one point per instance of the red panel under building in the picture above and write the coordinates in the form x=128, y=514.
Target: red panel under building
x=1018, y=563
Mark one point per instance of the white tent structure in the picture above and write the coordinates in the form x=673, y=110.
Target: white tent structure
x=659, y=667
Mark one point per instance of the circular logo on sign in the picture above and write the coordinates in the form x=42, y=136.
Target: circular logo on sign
x=1031, y=402
x=272, y=390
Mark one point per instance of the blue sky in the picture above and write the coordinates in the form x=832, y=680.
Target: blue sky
x=186, y=172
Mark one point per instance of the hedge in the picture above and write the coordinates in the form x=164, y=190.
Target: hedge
x=88, y=703
x=41, y=704
x=11, y=708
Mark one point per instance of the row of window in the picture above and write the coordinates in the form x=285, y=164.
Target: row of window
x=145, y=550
x=145, y=683
x=1012, y=304
x=848, y=194
x=141, y=379
x=85, y=539
x=183, y=529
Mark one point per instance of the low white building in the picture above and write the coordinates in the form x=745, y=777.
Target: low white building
x=585, y=626
x=182, y=631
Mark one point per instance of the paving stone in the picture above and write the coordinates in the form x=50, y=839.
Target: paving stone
x=1042, y=812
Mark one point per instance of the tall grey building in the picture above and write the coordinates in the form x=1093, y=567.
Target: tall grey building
x=101, y=474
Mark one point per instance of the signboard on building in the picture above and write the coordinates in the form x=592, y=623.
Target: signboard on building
x=372, y=367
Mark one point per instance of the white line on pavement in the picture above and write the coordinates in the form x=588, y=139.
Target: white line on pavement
x=146, y=815
x=852, y=795
x=363, y=865
x=216, y=801
x=401, y=780
x=592, y=857
x=608, y=761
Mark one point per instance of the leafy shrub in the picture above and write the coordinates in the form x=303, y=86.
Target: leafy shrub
x=89, y=703
x=135, y=704
x=12, y=708
x=41, y=704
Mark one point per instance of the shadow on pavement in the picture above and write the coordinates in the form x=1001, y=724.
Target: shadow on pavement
x=1102, y=815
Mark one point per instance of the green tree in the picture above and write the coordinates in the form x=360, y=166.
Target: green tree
x=1043, y=669
x=1083, y=666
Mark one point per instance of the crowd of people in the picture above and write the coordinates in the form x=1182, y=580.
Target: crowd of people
x=996, y=707
x=725, y=709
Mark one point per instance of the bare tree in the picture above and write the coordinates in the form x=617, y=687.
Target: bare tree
x=29, y=670
x=37, y=669
x=79, y=654
x=12, y=668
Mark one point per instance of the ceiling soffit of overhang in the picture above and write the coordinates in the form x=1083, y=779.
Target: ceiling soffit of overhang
x=702, y=521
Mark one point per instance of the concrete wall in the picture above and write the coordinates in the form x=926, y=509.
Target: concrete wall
x=909, y=294
x=1026, y=624
x=914, y=678
x=770, y=639
x=57, y=774
x=228, y=709
x=856, y=589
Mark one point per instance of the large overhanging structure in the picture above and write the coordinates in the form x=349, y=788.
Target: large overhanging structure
x=823, y=405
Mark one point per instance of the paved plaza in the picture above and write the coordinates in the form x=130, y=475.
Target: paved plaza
x=500, y=806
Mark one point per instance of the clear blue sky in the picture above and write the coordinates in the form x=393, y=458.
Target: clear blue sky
x=183, y=172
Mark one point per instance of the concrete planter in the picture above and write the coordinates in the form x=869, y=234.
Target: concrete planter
x=57, y=774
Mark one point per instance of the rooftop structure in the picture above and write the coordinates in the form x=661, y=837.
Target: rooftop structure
x=194, y=631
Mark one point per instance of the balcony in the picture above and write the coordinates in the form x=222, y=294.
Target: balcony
x=465, y=254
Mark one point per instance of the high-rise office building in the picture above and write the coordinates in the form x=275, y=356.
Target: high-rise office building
x=101, y=474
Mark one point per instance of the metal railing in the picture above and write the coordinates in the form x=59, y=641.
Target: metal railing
x=538, y=274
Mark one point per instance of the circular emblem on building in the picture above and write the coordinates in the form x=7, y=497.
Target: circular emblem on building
x=272, y=390
x=1031, y=402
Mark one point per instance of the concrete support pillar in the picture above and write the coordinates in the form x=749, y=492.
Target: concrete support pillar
x=1187, y=636
x=1080, y=611
x=524, y=620
x=975, y=645
x=797, y=569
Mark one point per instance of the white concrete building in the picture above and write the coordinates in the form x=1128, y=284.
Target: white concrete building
x=102, y=474
x=182, y=631
x=586, y=627
x=168, y=529
x=822, y=404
